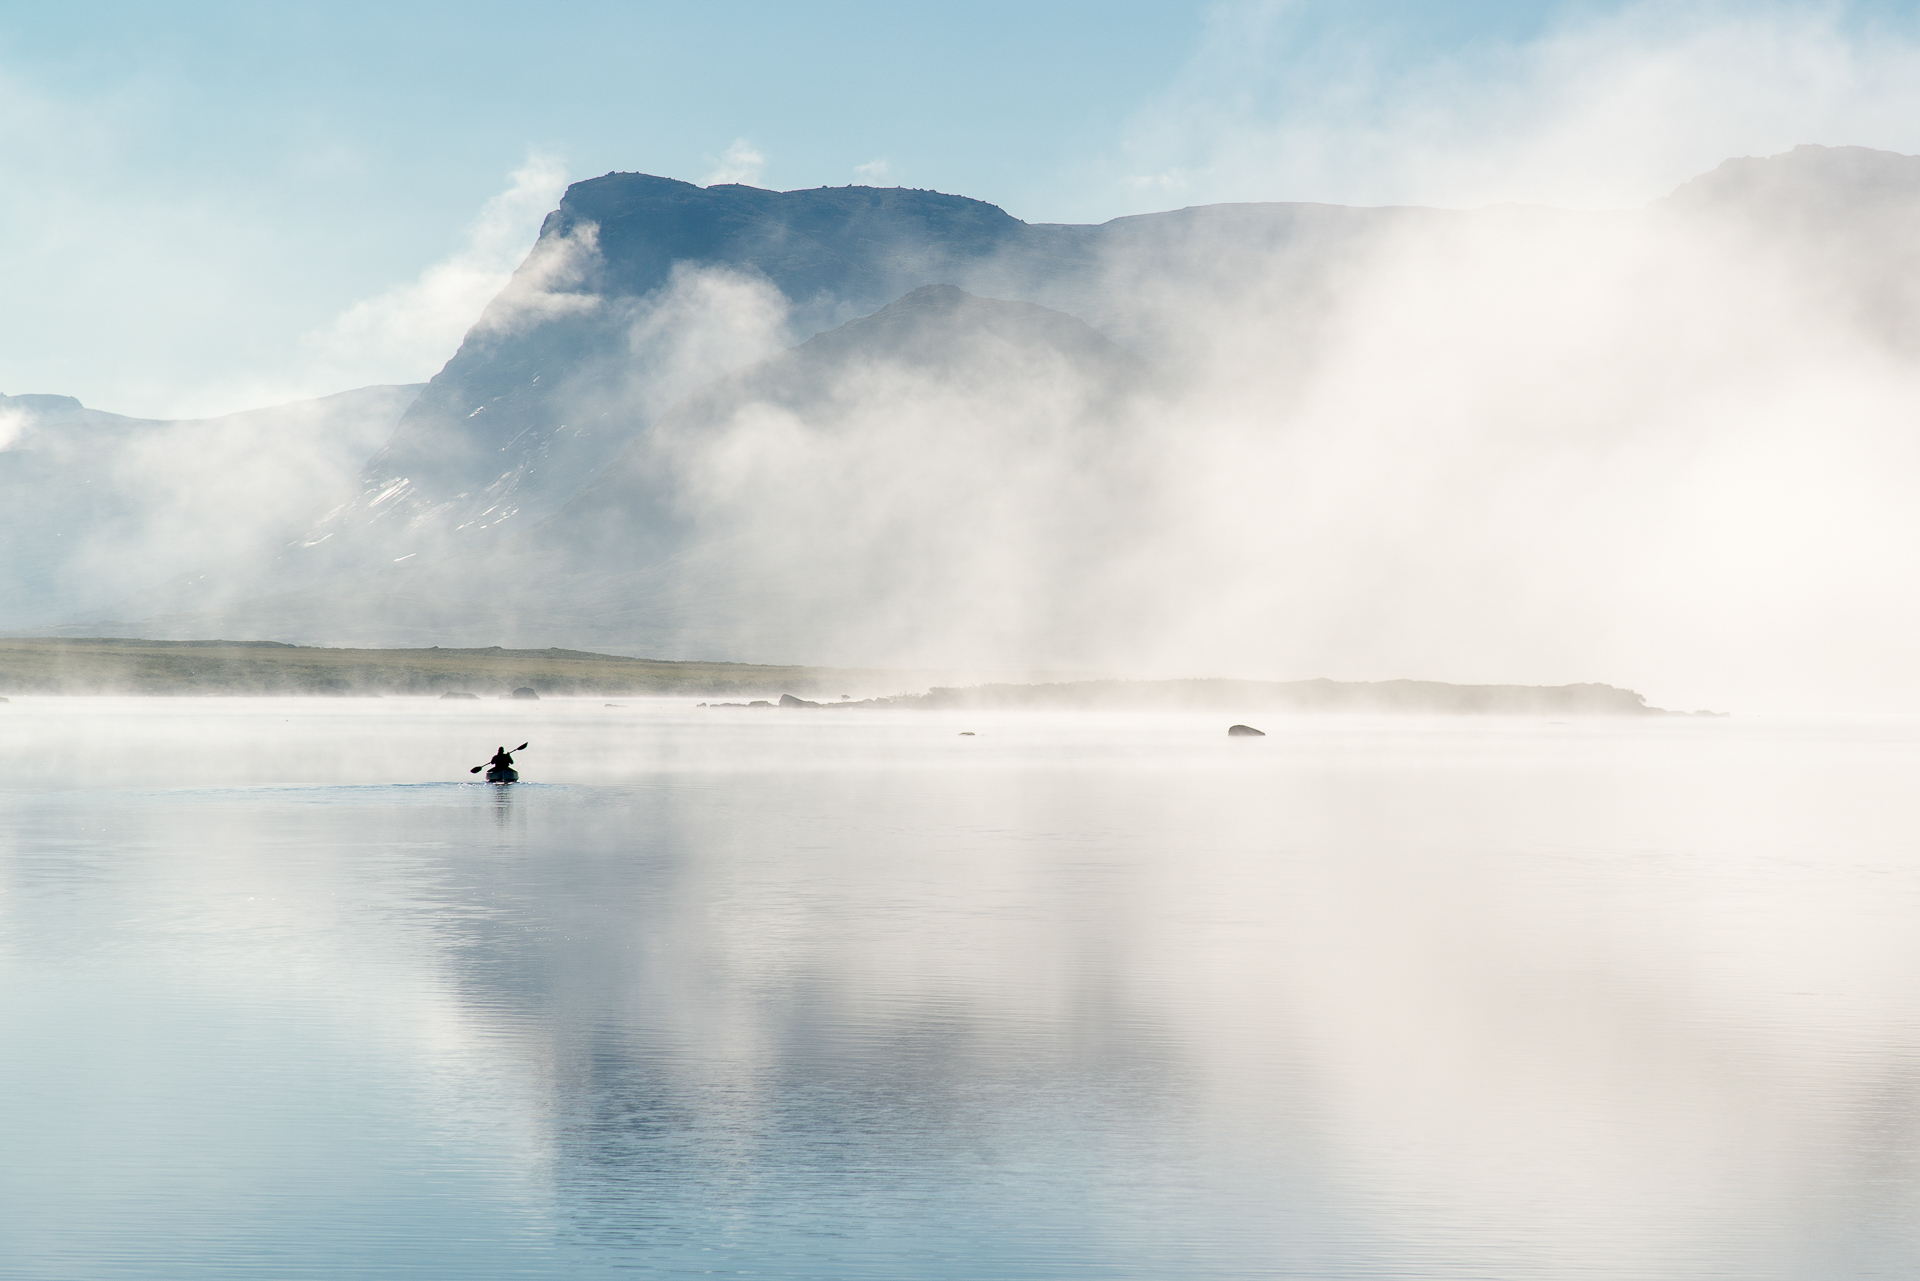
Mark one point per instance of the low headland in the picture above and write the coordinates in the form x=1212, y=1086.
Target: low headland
x=1310, y=697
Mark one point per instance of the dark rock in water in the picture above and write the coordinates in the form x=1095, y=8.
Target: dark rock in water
x=524, y=692
x=1245, y=731
x=451, y=694
x=759, y=702
x=966, y=733
x=788, y=700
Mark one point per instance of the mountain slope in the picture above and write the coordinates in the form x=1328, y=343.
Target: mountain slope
x=641, y=289
x=1847, y=213
x=660, y=553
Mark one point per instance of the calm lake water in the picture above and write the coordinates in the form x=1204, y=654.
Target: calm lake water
x=813, y=995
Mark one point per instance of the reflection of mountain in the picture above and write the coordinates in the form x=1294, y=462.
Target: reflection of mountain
x=729, y=1020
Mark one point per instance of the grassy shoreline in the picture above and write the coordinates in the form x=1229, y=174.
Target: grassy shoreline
x=114, y=665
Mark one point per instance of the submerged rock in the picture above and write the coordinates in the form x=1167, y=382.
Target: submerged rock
x=456, y=694
x=1245, y=731
x=525, y=693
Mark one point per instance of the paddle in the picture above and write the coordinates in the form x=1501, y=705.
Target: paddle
x=476, y=769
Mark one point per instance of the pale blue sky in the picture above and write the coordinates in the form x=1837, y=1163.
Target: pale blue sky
x=191, y=193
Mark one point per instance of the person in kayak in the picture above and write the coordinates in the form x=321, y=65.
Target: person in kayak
x=502, y=759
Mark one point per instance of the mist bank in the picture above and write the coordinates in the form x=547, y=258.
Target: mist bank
x=905, y=430
x=1323, y=697
x=97, y=508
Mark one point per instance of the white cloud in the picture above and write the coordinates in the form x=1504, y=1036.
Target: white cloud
x=540, y=290
x=871, y=172
x=407, y=332
x=704, y=323
x=741, y=162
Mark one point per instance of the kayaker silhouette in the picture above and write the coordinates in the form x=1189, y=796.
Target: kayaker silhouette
x=500, y=768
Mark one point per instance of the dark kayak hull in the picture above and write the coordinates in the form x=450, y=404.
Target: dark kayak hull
x=498, y=775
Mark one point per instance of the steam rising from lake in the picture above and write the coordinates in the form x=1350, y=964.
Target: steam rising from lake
x=1666, y=447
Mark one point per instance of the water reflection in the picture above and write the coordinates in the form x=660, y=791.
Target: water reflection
x=1407, y=1001
x=502, y=798
x=748, y=1024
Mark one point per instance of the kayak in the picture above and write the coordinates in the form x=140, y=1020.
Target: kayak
x=500, y=774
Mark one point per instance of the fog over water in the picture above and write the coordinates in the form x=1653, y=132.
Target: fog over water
x=857, y=996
